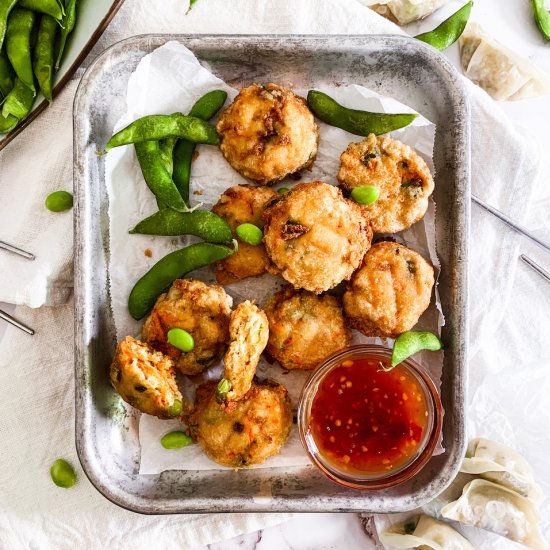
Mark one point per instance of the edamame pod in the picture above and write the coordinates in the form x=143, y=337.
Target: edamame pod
x=7, y=124
x=449, y=31
x=360, y=123
x=6, y=75
x=173, y=266
x=157, y=177
x=166, y=150
x=19, y=101
x=5, y=8
x=205, y=108
x=18, y=44
x=54, y=8
x=412, y=342
x=200, y=223
x=67, y=25
x=542, y=17
x=157, y=127
x=44, y=55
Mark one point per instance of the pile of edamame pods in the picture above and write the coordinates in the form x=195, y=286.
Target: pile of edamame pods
x=33, y=35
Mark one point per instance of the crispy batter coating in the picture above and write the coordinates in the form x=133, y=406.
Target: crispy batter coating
x=305, y=329
x=243, y=204
x=200, y=309
x=390, y=292
x=244, y=432
x=248, y=334
x=268, y=133
x=401, y=175
x=145, y=379
x=315, y=237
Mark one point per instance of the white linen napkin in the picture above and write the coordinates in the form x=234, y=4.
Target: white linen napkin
x=36, y=408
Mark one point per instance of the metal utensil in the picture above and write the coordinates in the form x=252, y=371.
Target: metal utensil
x=13, y=321
x=512, y=224
x=15, y=250
x=535, y=266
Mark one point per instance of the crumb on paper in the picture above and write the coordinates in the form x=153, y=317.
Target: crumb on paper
x=195, y=155
x=148, y=252
x=198, y=192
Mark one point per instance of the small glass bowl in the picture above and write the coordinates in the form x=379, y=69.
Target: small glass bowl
x=368, y=481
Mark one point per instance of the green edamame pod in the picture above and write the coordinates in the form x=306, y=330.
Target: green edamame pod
x=173, y=266
x=19, y=101
x=200, y=223
x=205, y=108
x=5, y=8
x=166, y=149
x=360, y=123
x=44, y=55
x=449, y=31
x=7, y=124
x=411, y=342
x=18, y=44
x=542, y=17
x=6, y=75
x=67, y=25
x=157, y=177
x=157, y=127
x=54, y=8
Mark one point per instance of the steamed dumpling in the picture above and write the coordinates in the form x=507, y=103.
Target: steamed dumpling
x=496, y=462
x=503, y=74
x=428, y=533
x=404, y=11
x=489, y=506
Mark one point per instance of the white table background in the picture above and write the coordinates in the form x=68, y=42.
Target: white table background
x=511, y=22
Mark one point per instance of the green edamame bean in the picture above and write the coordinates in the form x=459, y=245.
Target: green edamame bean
x=44, y=55
x=205, y=108
x=67, y=25
x=181, y=339
x=365, y=195
x=157, y=127
x=361, y=123
x=5, y=8
x=59, y=201
x=176, y=408
x=19, y=101
x=175, y=440
x=542, y=17
x=222, y=389
x=18, y=44
x=6, y=76
x=63, y=474
x=448, y=32
x=157, y=177
x=412, y=342
x=200, y=223
x=283, y=190
x=173, y=266
x=54, y=8
x=250, y=233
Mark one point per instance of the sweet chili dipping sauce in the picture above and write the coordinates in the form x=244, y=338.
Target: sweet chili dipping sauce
x=366, y=420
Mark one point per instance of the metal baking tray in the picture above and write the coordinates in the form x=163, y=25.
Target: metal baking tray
x=106, y=429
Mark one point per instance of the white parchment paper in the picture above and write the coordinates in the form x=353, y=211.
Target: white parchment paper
x=171, y=79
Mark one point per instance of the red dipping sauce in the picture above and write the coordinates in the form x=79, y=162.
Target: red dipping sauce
x=362, y=423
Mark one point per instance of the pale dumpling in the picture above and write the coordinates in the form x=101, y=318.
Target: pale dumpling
x=404, y=11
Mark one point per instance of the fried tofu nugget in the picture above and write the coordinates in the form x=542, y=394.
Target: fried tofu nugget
x=243, y=204
x=390, y=292
x=247, y=431
x=315, y=237
x=202, y=310
x=305, y=329
x=400, y=174
x=268, y=133
x=145, y=379
x=248, y=334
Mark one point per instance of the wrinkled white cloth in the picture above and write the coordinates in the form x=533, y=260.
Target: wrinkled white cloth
x=36, y=409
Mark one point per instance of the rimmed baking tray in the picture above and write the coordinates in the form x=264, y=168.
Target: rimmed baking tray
x=106, y=430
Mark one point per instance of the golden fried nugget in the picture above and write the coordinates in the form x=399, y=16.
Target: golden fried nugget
x=400, y=174
x=305, y=329
x=390, y=291
x=268, y=133
x=315, y=237
x=245, y=432
x=248, y=333
x=243, y=204
x=200, y=309
x=145, y=379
